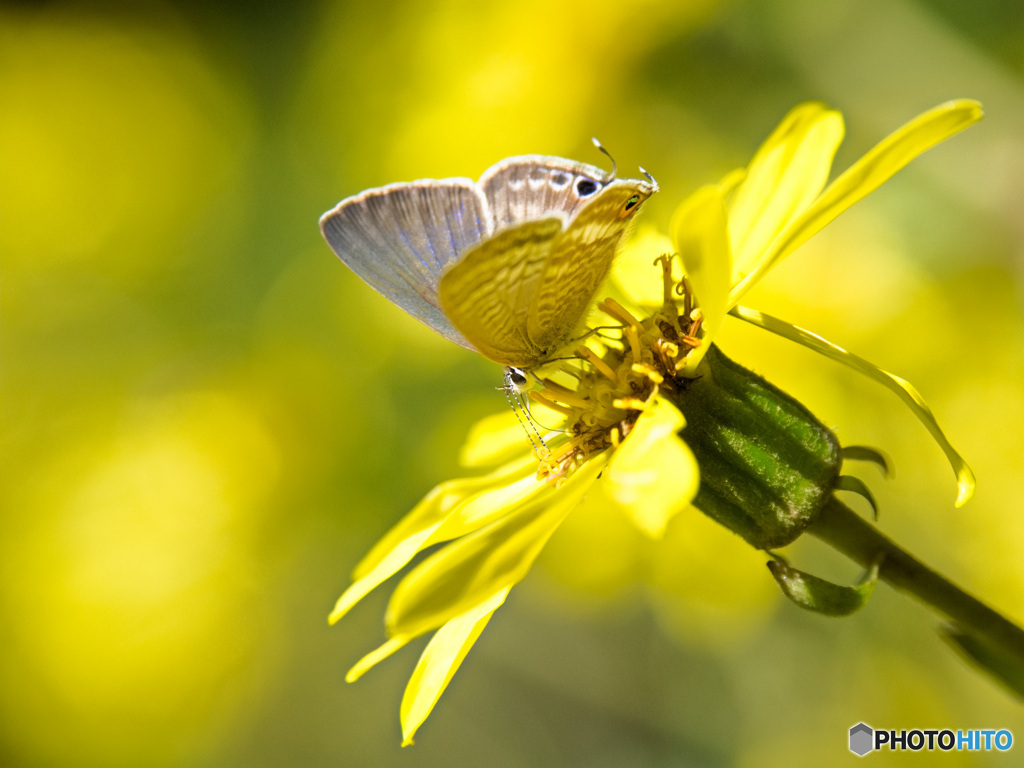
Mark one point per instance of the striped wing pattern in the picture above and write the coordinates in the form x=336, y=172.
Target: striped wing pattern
x=577, y=265
x=488, y=293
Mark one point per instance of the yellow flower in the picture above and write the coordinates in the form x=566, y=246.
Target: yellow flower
x=620, y=408
x=732, y=234
x=615, y=423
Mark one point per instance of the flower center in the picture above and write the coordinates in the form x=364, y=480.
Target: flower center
x=624, y=366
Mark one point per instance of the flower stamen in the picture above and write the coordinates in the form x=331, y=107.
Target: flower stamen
x=630, y=404
x=591, y=357
x=539, y=397
x=616, y=311
x=626, y=372
x=646, y=370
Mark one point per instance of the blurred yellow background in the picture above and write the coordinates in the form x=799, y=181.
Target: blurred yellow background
x=208, y=419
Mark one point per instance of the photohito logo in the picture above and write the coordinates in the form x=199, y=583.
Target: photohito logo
x=864, y=739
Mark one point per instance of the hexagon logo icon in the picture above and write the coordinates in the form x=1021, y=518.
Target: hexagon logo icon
x=861, y=739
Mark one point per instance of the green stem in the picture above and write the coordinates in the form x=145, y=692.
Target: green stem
x=856, y=538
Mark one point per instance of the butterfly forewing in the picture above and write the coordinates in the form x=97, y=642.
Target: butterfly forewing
x=578, y=263
x=533, y=186
x=401, y=238
x=488, y=293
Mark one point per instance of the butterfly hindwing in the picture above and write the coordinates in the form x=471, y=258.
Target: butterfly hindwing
x=577, y=265
x=487, y=295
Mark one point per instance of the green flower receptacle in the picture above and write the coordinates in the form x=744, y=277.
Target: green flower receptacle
x=767, y=465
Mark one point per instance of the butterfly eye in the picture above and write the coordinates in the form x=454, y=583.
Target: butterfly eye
x=515, y=379
x=586, y=187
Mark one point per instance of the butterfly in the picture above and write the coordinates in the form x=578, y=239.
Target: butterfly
x=506, y=265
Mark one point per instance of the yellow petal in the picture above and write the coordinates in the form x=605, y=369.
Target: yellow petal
x=497, y=501
x=430, y=512
x=654, y=475
x=493, y=439
x=700, y=236
x=439, y=662
x=730, y=183
x=449, y=510
x=907, y=393
x=492, y=558
x=396, y=549
x=375, y=657
x=865, y=176
x=504, y=437
x=785, y=176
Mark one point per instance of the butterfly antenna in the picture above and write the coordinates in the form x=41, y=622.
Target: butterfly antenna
x=649, y=177
x=606, y=153
x=514, y=393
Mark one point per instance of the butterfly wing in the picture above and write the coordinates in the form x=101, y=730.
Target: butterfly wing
x=579, y=262
x=505, y=266
x=534, y=186
x=487, y=294
x=401, y=238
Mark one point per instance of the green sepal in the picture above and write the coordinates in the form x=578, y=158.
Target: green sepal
x=767, y=465
x=856, y=485
x=873, y=455
x=816, y=594
x=1004, y=667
